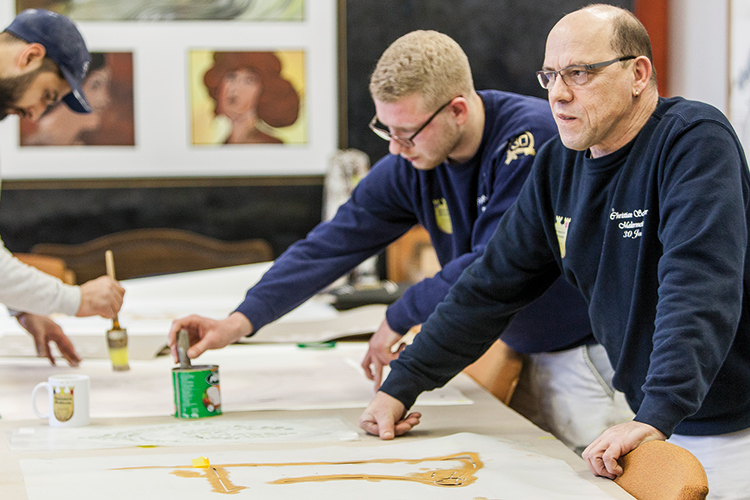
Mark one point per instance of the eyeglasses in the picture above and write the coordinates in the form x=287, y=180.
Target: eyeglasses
x=407, y=142
x=574, y=75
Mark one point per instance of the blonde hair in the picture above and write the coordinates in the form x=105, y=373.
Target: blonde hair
x=425, y=62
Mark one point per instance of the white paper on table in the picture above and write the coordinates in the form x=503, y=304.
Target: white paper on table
x=252, y=377
x=459, y=466
x=210, y=431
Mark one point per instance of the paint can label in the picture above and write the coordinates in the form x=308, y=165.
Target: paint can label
x=196, y=391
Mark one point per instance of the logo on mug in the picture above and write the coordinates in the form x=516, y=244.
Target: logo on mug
x=62, y=403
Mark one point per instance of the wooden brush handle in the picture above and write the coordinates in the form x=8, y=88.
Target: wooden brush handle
x=110, y=261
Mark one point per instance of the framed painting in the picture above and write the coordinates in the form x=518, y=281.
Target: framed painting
x=171, y=10
x=194, y=96
x=108, y=87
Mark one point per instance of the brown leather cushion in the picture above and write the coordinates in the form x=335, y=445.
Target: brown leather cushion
x=658, y=470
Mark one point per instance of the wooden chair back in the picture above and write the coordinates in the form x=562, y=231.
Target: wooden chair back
x=53, y=266
x=147, y=252
x=497, y=370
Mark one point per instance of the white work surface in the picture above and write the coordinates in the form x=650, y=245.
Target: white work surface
x=252, y=377
x=152, y=303
x=301, y=440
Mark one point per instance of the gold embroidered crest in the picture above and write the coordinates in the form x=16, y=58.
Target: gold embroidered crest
x=521, y=145
x=561, y=228
x=443, y=216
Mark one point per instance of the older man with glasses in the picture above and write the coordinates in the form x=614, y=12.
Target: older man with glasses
x=458, y=160
x=644, y=204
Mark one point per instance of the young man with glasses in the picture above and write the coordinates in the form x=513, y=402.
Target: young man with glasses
x=43, y=59
x=643, y=203
x=458, y=160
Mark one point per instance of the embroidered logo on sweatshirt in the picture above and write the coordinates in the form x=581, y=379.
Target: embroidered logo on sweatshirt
x=629, y=221
x=561, y=228
x=521, y=145
x=443, y=216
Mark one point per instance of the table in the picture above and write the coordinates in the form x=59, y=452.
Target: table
x=152, y=303
x=443, y=418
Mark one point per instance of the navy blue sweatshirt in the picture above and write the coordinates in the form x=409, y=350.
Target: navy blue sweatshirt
x=459, y=205
x=655, y=236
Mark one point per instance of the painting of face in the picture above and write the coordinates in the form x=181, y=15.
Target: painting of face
x=108, y=88
x=96, y=89
x=239, y=93
x=247, y=97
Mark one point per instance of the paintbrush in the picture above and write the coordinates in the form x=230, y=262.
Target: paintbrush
x=117, y=337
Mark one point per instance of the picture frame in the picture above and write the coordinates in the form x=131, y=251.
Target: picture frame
x=163, y=116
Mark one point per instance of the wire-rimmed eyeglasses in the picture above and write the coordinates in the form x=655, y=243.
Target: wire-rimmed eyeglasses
x=574, y=75
x=407, y=142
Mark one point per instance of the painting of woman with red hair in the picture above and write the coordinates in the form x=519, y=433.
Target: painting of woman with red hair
x=249, y=90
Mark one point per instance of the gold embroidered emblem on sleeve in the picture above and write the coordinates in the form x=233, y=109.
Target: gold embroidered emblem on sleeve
x=521, y=145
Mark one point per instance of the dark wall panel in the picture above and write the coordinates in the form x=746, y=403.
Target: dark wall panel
x=504, y=40
x=278, y=213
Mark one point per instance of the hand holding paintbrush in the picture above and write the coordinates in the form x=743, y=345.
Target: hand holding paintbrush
x=117, y=337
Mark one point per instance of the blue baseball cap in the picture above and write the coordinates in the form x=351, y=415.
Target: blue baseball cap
x=64, y=45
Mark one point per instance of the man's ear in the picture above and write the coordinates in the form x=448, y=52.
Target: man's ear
x=642, y=70
x=460, y=109
x=31, y=57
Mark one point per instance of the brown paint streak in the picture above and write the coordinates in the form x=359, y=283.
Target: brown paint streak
x=463, y=476
x=218, y=476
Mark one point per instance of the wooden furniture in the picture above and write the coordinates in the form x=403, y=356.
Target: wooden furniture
x=145, y=252
x=658, y=470
x=411, y=258
x=53, y=266
x=498, y=370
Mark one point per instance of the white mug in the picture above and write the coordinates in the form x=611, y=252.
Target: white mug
x=68, y=400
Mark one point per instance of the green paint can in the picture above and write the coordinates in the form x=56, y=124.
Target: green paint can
x=196, y=391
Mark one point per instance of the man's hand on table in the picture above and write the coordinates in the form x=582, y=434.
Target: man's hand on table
x=379, y=353
x=602, y=454
x=44, y=331
x=384, y=417
x=207, y=333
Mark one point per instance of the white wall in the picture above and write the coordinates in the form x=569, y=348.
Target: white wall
x=698, y=62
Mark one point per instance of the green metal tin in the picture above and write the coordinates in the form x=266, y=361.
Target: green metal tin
x=196, y=391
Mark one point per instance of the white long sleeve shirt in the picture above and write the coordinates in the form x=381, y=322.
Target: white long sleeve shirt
x=26, y=289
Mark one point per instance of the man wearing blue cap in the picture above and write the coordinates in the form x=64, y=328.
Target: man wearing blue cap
x=43, y=59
